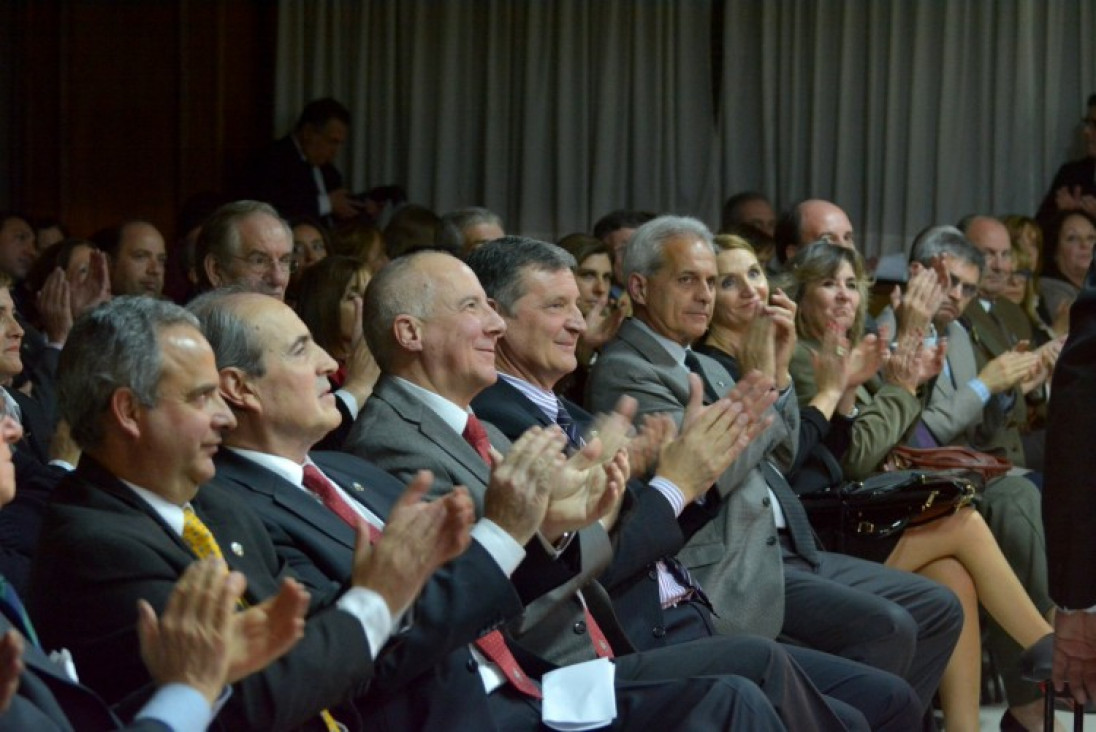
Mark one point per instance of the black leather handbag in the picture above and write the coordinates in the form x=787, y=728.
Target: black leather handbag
x=884, y=505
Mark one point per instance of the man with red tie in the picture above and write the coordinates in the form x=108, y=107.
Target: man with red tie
x=434, y=334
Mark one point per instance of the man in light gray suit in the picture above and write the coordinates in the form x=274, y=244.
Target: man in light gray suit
x=972, y=407
x=758, y=559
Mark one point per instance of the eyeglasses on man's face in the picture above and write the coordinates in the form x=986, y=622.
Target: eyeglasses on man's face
x=259, y=263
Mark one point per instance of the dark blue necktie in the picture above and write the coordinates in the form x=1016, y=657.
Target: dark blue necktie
x=567, y=423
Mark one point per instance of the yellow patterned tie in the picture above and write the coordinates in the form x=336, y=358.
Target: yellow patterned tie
x=198, y=537
x=201, y=541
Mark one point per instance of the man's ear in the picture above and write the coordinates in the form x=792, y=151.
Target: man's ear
x=237, y=390
x=126, y=411
x=213, y=271
x=637, y=288
x=407, y=330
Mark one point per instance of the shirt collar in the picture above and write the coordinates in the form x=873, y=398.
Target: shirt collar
x=545, y=400
x=171, y=514
x=450, y=413
x=280, y=466
x=675, y=349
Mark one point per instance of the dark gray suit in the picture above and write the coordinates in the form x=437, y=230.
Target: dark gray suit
x=905, y=624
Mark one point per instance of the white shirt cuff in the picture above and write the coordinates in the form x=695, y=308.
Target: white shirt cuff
x=506, y=552
x=980, y=389
x=670, y=492
x=372, y=612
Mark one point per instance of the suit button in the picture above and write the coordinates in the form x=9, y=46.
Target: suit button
x=472, y=665
x=771, y=540
x=658, y=631
x=579, y=627
x=652, y=573
x=766, y=501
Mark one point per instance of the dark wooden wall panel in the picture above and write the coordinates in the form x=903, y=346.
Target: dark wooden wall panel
x=131, y=107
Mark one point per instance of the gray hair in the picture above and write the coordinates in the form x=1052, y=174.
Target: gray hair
x=937, y=240
x=220, y=235
x=234, y=344
x=112, y=347
x=453, y=224
x=643, y=254
x=400, y=288
x=500, y=266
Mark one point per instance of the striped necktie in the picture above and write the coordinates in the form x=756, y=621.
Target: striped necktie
x=567, y=423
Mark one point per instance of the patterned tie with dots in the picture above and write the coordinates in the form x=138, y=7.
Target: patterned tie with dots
x=201, y=541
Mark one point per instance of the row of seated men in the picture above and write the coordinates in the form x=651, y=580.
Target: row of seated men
x=557, y=557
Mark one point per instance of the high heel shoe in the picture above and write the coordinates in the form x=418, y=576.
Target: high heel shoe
x=1009, y=723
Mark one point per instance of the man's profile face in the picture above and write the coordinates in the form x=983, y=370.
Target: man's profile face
x=265, y=259
x=17, y=250
x=321, y=145
x=460, y=334
x=182, y=432
x=824, y=220
x=543, y=330
x=992, y=239
x=679, y=297
x=138, y=266
x=298, y=407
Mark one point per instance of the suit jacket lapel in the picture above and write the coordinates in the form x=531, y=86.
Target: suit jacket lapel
x=985, y=331
x=254, y=477
x=431, y=426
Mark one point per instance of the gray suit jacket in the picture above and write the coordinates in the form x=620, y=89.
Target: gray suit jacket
x=400, y=434
x=990, y=336
x=954, y=413
x=733, y=556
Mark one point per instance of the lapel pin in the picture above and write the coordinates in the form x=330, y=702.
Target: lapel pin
x=357, y=486
x=237, y=548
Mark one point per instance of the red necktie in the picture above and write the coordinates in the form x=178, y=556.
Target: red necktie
x=316, y=482
x=476, y=436
x=493, y=645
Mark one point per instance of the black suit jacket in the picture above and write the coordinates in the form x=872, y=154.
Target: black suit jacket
x=21, y=519
x=426, y=677
x=1069, y=497
x=102, y=548
x=279, y=176
x=645, y=532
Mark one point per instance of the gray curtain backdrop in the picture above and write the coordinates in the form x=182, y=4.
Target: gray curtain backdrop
x=553, y=112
